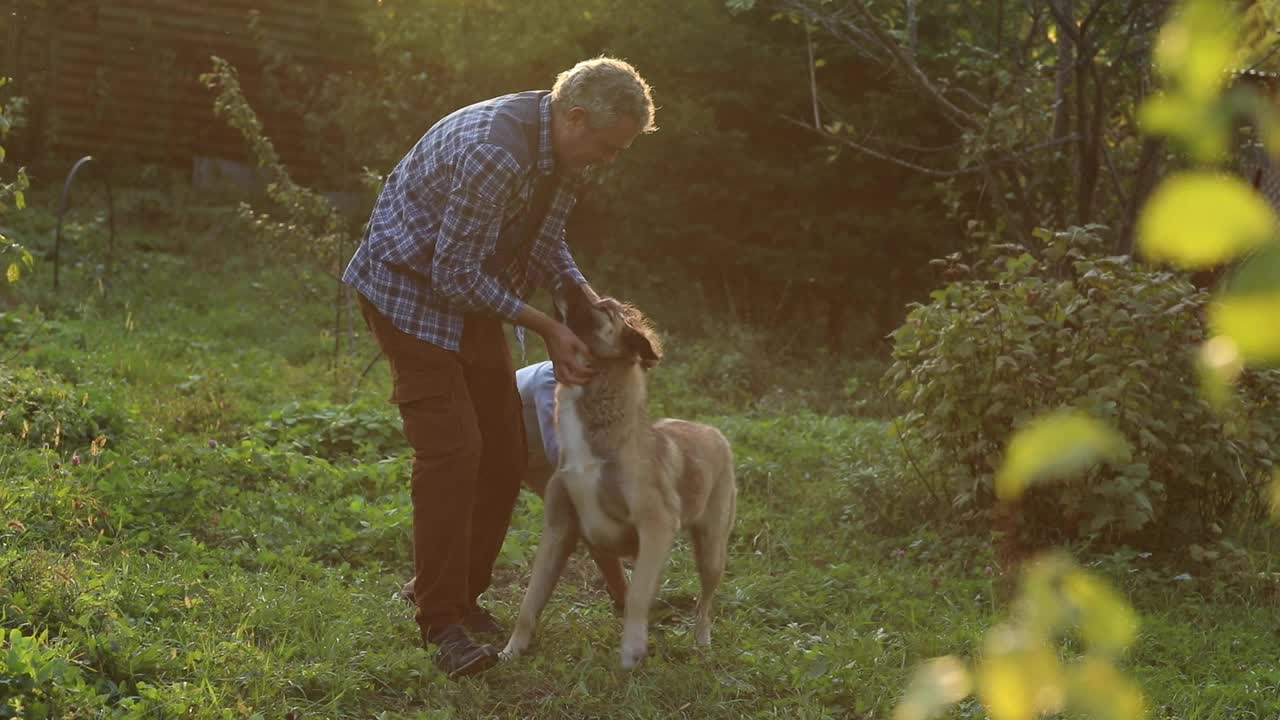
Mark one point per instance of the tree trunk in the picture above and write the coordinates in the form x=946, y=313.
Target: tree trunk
x=1066, y=65
x=1149, y=162
x=1089, y=147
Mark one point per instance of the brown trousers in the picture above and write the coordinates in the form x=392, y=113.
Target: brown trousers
x=462, y=415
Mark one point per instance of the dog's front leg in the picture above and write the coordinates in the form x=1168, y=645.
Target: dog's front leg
x=559, y=538
x=657, y=534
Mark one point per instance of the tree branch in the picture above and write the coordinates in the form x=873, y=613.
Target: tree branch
x=876, y=44
x=813, y=76
x=931, y=172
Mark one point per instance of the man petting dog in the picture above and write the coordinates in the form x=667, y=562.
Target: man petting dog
x=468, y=223
x=536, y=384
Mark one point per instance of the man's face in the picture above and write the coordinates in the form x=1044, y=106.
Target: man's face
x=582, y=146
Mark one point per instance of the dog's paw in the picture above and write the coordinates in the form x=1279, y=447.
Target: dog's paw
x=512, y=650
x=633, y=656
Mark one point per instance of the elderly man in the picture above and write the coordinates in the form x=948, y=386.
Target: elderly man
x=469, y=222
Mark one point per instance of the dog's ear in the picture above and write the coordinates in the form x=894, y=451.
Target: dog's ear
x=639, y=343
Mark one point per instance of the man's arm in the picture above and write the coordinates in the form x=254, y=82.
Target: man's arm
x=469, y=233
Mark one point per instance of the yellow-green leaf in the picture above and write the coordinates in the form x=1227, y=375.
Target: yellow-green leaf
x=1102, y=692
x=1252, y=321
x=1054, y=446
x=1019, y=682
x=1, y=153
x=1218, y=365
x=1202, y=127
x=13, y=273
x=1201, y=219
x=20, y=200
x=1198, y=45
x=937, y=684
x=1041, y=607
x=1105, y=619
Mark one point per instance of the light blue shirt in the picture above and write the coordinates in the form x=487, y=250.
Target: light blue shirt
x=537, y=386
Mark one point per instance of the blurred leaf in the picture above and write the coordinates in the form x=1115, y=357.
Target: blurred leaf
x=1105, y=619
x=936, y=685
x=1202, y=219
x=1040, y=602
x=20, y=200
x=13, y=273
x=1197, y=46
x=1203, y=129
x=1218, y=364
x=1054, y=446
x=1194, y=52
x=1259, y=273
x=1019, y=678
x=1252, y=322
x=1103, y=692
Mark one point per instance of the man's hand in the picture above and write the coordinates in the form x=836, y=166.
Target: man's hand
x=569, y=355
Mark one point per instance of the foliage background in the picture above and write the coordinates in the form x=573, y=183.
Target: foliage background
x=177, y=448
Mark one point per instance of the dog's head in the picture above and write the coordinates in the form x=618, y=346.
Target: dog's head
x=610, y=329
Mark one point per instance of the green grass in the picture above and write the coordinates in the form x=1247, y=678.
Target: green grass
x=235, y=548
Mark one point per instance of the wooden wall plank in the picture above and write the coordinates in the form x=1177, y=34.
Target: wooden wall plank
x=123, y=74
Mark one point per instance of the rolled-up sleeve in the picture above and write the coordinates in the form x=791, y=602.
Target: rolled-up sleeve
x=484, y=179
x=563, y=268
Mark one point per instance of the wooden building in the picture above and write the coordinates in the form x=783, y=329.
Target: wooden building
x=120, y=78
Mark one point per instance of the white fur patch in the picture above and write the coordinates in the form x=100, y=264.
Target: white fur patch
x=575, y=452
x=580, y=469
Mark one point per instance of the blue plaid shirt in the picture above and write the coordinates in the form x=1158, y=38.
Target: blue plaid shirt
x=458, y=196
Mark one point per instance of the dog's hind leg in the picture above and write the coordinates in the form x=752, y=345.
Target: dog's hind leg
x=559, y=538
x=710, y=553
x=657, y=535
x=614, y=581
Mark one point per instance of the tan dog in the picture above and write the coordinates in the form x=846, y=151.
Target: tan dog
x=615, y=583
x=624, y=485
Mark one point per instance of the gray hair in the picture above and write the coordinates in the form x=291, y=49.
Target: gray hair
x=606, y=88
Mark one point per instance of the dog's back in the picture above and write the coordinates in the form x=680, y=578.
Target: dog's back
x=701, y=468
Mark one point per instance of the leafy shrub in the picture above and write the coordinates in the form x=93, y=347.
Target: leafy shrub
x=334, y=431
x=15, y=256
x=28, y=671
x=1026, y=334
x=38, y=408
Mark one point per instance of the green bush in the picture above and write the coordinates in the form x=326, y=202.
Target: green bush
x=334, y=432
x=39, y=408
x=1018, y=334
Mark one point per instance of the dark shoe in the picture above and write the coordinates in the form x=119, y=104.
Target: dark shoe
x=457, y=655
x=480, y=622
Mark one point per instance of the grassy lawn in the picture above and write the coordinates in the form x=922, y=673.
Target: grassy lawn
x=235, y=547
